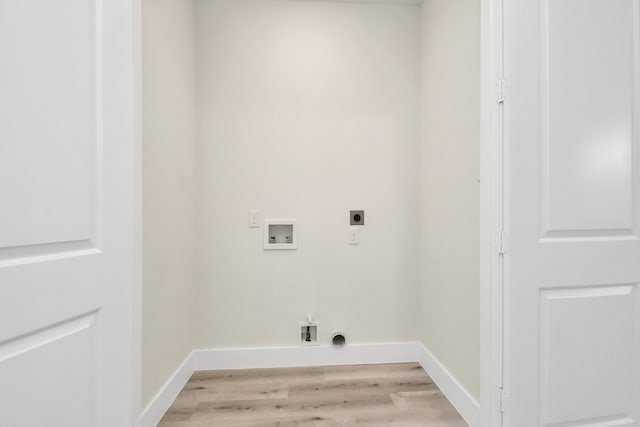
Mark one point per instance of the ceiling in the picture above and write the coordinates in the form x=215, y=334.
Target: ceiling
x=396, y=2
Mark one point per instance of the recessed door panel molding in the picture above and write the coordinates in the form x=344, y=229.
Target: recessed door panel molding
x=50, y=127
x=38, y=398
x=590, y=107
x=587, y=348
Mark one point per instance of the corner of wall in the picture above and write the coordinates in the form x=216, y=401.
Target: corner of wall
x=449, y=191
x=168, y=189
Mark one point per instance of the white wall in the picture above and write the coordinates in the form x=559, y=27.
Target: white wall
x=307, y=109
x=449, y=189
x=169, y=189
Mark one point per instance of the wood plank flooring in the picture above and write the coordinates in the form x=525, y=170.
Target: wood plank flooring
x=365, y=395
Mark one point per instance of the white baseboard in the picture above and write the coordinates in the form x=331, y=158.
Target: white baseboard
x=288, y=357
x=285, y=357
x=465, y=404
x=156, y=409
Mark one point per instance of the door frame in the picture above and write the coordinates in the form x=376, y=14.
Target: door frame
x=493, y=215
x=137, y=158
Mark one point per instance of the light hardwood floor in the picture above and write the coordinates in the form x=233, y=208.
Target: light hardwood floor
x=366, y=395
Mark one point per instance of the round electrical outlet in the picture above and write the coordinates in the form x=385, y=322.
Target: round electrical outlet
x=356, y=217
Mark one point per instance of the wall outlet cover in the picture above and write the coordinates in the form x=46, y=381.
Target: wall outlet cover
x=354, y=236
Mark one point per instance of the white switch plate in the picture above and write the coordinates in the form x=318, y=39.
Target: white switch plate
x=354, y=236
x=253, y=218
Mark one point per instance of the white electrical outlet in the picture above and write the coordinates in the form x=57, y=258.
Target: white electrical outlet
x=253, y=218
x=354, y=236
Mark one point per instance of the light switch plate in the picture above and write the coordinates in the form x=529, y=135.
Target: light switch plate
x=254, y=218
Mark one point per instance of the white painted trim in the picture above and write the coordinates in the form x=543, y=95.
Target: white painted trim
x=286, y=357
x=492, y=215
x=460, y=398
x=163, y=400
x=136, y=6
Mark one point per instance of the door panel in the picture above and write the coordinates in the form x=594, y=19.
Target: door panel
x=572, y=127
x=586, y=341
x=67, y=179
x=67, y=382
x=587, y=90
x=51, y=92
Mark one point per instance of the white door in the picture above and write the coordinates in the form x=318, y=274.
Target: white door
x=66, y=213
x=572, y=123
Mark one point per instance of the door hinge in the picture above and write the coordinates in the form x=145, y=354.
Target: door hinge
x=501, y=90
x=503, y=401
x=501, y=242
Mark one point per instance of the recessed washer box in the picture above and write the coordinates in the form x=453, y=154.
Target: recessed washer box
x=280, y=234
x=308, y=333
